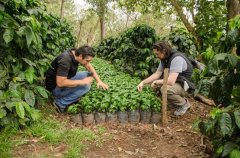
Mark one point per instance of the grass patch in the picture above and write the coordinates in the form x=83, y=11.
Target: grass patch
x=5, y=141
x=74, y=138
x=49, y=130
x=54, y=132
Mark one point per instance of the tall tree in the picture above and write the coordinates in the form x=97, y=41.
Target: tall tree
x=210, y=16
x=180, y=11
x=233, y=7
x=62, y=8
x=61, y=11
x=91, y=34
x=100, y=7
x=79, y=32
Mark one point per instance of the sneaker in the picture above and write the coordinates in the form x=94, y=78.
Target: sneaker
x=182, y=110
x=58, y=108
x=171, y=106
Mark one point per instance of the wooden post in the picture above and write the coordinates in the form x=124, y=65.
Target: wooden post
x=164, y=98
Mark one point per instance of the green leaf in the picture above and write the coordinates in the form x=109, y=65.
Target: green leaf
x=219, y=150
x=15, y=93
x=26, y=106
x=228, y=147
x=10, y=105
x=16, y=79
x=237, y=117
x=8, y=35
x=4, y=1
x=29, y=97
x=35, y=114
x=3, y=73
x=225, y=123
x=215, y=112
x=235, y=153
x=29, y=62
x=232, y=59
x=3, y=113
x=2, y=8
x=42, y=91
x=220, y=56
x=1, y=18
x=30, y=75
x=29, y=35
x=20, y=109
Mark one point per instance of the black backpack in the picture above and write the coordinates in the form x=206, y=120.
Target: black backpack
x=197, y=64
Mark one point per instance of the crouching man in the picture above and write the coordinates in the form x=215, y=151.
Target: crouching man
x=66, y=84
x=179, y=80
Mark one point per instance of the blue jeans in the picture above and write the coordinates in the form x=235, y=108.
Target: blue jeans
x=67, y=95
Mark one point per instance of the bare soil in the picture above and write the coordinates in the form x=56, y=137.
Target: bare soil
x=177, y=140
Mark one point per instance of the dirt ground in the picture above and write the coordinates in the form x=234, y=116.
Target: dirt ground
x=176, y=140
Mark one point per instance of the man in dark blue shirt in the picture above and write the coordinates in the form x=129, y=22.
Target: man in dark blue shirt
x=66, y=84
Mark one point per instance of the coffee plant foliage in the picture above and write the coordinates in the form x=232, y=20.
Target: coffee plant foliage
x=222, y=77
x=122, y=94
x=29, y=37
x=182, y=41
x=131, y=51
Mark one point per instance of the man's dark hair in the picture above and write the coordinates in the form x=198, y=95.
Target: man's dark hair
x=85, y=51
x=163, y=47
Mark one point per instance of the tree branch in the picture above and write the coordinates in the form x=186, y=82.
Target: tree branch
x=185, y=21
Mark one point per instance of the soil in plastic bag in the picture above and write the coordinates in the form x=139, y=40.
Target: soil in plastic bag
x=100, y=117
x=112, y=117
x=123, y=116
x=88, y=119
x=156, y=117
x=77, y=118
x=134, y=116
x=145, y=116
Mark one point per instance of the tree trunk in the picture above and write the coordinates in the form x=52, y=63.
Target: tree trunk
x=233, y=8
x=61, y=11
x=128, y=16
x=79, y=32
x=185, y=21
x=102, y=26
x=91, y=35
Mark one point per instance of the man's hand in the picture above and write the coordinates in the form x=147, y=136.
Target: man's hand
x=103, y=85
x=154, y=84
x=140, y=86
x=87, y=80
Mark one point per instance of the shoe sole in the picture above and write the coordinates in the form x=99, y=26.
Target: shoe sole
x=184, y=112
x=57, y=108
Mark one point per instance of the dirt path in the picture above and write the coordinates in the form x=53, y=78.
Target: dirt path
x=177, y=140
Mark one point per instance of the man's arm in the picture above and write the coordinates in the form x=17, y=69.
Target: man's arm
x=171, y=79
x=90, y=68
x=153, y=77
x=65, y=82
x=150, y=79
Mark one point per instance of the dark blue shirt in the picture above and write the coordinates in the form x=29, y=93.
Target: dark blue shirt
x=63, y=65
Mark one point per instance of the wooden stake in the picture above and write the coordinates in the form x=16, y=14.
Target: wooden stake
x=164, y=98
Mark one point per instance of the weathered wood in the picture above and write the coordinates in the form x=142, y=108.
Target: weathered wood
x=164, y=98
x=204, y=100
